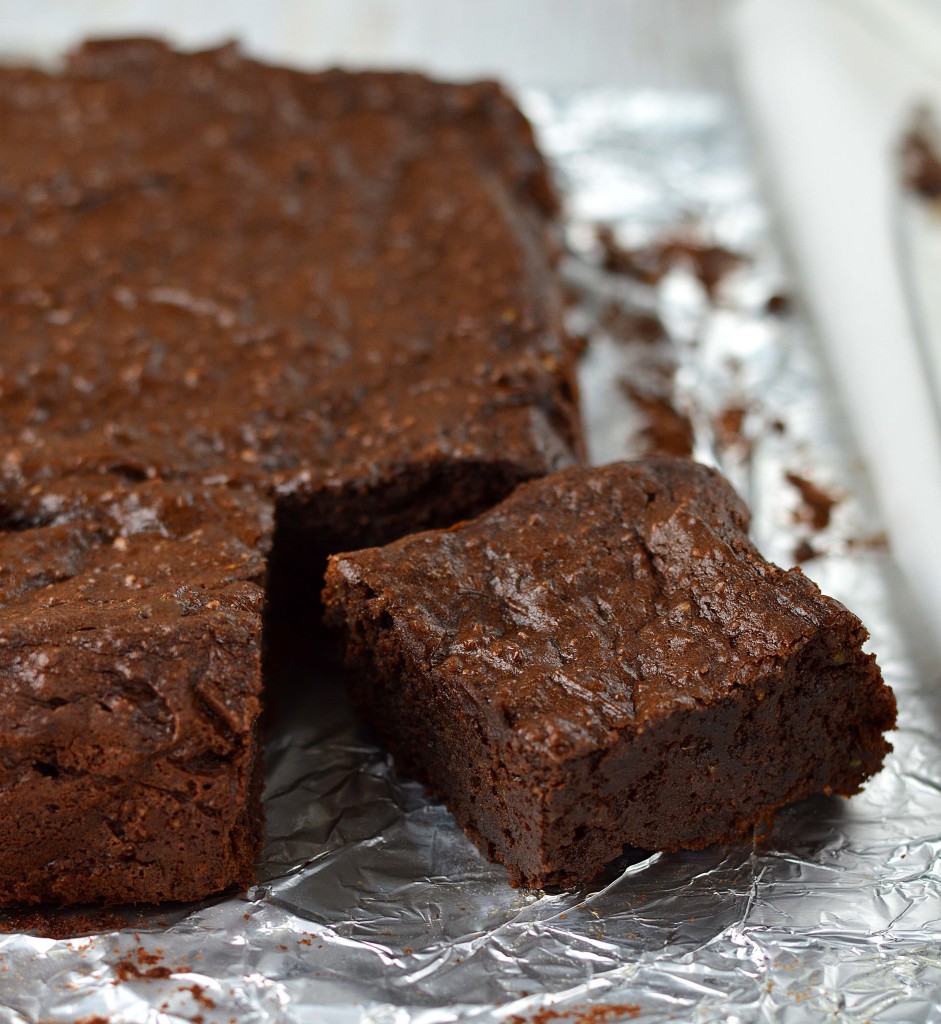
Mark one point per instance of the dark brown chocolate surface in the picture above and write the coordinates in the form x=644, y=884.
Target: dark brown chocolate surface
x=221, y=270
x=232, y=291
x=604, y=660
x=130, y=645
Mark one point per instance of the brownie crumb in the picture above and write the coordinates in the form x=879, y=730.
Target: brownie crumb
x=643, y=264
x=920, y=156
x=198, y=993
x=603, y=1013
x=710, y=263
x=805, y=552
x=94, y=1019
x=729, y=427
x=875, y=542
x=147, y=958
x=578, y=344
x=126, y=970
x=629, y=326
x=817, y=504
x=666, y=430
x=778, y=304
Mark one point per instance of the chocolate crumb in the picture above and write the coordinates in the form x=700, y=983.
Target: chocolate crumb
x=804, y=552
x=578, y=343
x=778, y=304
x=666, y=430
x=126, y=969
x=198, y=993
x=875, y=542
x=145, y=957
x=729, y=427
x=629, y=326
x=920, y=157
x=644, y=264
x=711, y=263
x=651, y=263
x=93, y=1019
x=817, y=504
x=603, y=1013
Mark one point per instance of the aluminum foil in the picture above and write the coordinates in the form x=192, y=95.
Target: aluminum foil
x=374, y=907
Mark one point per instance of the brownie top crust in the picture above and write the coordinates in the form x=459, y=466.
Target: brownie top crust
x=156, y=549
x=233, y=294
x=91, y=606
x=220, y=271
x=595, y=601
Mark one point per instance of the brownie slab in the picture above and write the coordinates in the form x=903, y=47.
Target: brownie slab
x=328, y=298
x=313, y=284
x=605, y=660
x=130, y=643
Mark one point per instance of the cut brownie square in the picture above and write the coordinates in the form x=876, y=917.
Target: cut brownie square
x=605, y=660
x=130, y=654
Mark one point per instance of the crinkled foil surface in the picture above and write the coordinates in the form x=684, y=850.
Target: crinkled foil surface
x=374, y=907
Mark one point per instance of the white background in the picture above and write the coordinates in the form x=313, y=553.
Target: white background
x=530, y=42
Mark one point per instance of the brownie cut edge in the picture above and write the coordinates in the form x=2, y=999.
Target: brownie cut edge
x=602, y=661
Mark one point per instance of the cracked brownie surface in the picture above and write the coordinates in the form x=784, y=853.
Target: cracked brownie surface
x=326, y=278
x=233, y=294
x=130, y=660
x=605, y=660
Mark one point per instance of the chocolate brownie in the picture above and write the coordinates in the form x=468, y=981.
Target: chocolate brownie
x=242, y=288
x=920, y=155
x=335, y=287
x=130, y=660
x=605, y=660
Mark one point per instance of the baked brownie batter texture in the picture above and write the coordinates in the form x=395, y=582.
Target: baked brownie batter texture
x=237, y=302
x=605, y=660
